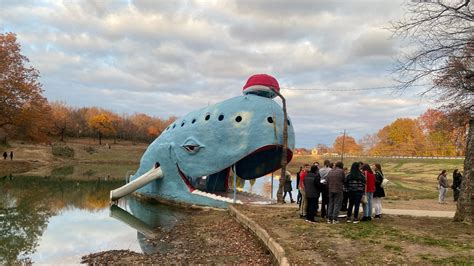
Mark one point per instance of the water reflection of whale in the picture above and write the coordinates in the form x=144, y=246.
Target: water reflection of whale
x=150, y=221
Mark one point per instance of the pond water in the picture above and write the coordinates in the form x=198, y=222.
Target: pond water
x=263, y=186
x=53, y=221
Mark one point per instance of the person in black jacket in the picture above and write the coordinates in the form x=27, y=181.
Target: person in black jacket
x=312, y=189
x=298, y=198
x=355, y=184
x=457, y=178
x=379, y=191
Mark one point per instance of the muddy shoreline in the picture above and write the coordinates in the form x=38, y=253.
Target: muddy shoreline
x=205, y=237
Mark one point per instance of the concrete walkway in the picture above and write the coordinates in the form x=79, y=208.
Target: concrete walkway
x=418, y=213
x=421, y=213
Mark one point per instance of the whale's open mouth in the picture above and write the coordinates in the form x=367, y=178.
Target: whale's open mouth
x=261, y=162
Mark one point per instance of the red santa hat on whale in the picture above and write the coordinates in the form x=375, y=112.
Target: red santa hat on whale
x=261, y=84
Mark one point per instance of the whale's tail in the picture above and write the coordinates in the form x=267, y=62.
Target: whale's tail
x=139, y=182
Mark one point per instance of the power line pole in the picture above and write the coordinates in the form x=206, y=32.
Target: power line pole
x=343, y=140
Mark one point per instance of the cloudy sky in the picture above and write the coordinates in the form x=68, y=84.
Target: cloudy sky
x=167, y=58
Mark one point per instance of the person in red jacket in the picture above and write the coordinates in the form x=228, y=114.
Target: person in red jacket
x=304, y=202
x=369, y=191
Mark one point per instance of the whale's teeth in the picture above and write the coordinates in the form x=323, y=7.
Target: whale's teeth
x=215, y=197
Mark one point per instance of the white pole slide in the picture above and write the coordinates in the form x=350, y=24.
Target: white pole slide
x=139, y=182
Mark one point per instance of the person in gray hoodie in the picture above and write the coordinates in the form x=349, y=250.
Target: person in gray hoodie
x=312, y=189
x=335, y=183
x=323, y=172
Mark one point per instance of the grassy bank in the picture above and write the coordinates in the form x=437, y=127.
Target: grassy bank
x=390, y=240
x=79, y=159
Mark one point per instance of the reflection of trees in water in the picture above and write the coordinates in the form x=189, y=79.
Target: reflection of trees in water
x=27, y=203
x=20, y=228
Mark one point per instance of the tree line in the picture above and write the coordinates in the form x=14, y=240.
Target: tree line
x=26, y=114
x=434, y=133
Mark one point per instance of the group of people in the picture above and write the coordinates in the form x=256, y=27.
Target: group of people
x=443, y=185
x=5, y=155
x=340, y=190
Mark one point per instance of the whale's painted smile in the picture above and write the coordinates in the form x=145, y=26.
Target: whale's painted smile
x=260, y=162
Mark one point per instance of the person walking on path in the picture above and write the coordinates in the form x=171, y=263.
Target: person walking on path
x=287, y=187
x=304, y=203
x=443, y=187
x=11, y=156
x=5, y=155
x=355, y=183
x=298, y=198
x=312, y=184
x=457, y=179
x=335, y=183
x=369, y=191
x=379, y=191
x=323, y=172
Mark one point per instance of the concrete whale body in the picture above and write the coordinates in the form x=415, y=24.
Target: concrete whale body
x=197, y=151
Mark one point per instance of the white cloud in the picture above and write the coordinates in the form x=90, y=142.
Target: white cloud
x=168, y=58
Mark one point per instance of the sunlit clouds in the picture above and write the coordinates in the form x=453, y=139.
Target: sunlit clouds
x=167, y=58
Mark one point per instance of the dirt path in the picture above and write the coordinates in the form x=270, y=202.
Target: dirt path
x=207, y=237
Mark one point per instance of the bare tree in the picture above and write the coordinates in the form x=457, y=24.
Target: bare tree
x=441, y=51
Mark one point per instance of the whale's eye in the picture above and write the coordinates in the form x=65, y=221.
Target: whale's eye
x=238, y=119
x=270, y=119
x=191, y=148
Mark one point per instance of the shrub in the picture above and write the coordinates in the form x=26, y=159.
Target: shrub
x=90, y=150
x=63, y=151
x=63, y=171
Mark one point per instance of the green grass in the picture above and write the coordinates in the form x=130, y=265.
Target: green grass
x=63, y=171
x=370, y=231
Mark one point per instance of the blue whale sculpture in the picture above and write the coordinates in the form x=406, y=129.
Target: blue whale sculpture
x=196, y=153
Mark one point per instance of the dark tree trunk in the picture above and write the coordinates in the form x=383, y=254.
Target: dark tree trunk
x=100, y=138
x=464, y=211
x=62, y=134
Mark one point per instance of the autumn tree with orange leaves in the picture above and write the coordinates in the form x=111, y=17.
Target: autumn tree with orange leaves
x=61, y=121
x=402, y=137
x=350, y=145
x=102, y=125
x=20, y=91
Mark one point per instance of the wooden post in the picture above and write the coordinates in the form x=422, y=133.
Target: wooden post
x=285, y=148
x=343, y=140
